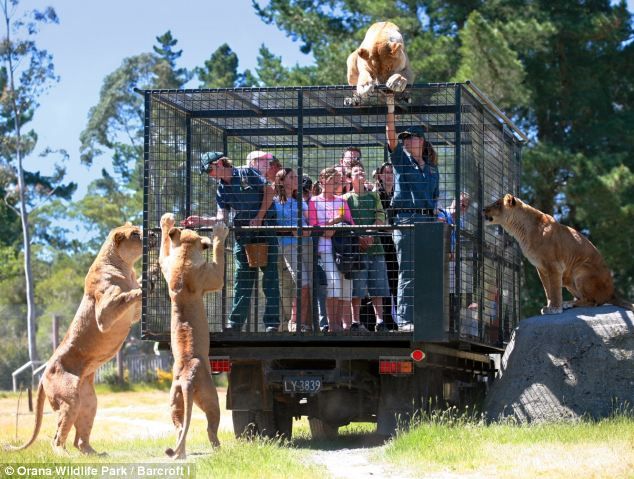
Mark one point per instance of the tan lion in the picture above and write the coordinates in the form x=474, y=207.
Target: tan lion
x=562, y=256
x=381, y=58
x=110, y=306
x=189, y=276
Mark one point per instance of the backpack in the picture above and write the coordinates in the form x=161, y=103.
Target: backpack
x=347, y=253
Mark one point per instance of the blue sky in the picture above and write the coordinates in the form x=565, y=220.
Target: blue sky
x=93, y=38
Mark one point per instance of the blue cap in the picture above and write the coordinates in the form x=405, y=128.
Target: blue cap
x=412, y=131
x=207, y=159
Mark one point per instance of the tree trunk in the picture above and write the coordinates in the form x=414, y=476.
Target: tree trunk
x=120, y=369
x=55, y=336
x=24, y=214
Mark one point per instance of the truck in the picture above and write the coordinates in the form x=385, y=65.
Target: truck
x=466, y=275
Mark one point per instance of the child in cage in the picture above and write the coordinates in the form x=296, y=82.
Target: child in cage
x=366, y=209
x=327, y=209
x=286, y=203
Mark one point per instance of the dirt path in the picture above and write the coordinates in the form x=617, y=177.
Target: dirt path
x=356, y=464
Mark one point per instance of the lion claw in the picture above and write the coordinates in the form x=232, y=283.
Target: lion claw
x=167, y=221
x=363, y=90
x=396, y=83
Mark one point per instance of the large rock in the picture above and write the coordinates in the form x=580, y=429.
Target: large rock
x=565, y=366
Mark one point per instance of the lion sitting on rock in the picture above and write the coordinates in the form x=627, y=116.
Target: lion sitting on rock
x=381, y=58
x=110, y=306
x=189, y=276
x=562, y=256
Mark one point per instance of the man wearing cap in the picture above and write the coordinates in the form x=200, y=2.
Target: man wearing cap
x=243, y=190
x=265, y=163
x=416, y=191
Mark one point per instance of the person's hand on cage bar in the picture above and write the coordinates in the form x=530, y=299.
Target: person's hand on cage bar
x=197, y=221
x=257, y=221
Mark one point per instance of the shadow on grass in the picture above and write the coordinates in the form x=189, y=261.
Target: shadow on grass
x=348, y=440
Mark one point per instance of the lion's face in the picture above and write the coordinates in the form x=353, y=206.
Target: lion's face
x=128, y=242
x=383, y=60
x=192, y=243
x=495, y=212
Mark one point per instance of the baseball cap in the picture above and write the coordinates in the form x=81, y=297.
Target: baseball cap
x=414, y=130
x=208, y=158
x=260, y=155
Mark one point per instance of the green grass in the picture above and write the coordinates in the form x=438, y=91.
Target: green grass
x=466, y=445
x=235, y=459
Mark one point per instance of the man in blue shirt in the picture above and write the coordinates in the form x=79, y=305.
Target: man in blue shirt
x=416, y=191
x=244, y=191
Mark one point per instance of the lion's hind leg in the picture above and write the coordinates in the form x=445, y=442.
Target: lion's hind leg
x=68, y=404
x=206, y=398
x=591, y=287
x=86, y=415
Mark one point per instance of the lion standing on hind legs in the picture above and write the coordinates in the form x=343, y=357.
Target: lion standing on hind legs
x=189, y=276
x=110, y=306
x=562, y=256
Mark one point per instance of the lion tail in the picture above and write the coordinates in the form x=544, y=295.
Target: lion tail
x=622, y=303
x=39, y=413
x=188, y=403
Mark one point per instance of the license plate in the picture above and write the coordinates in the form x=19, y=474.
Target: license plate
x=302, y=384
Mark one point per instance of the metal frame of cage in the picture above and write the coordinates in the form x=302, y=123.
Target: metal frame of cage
x=307, y=128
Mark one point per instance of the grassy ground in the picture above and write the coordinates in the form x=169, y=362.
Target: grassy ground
x=587, y=449
x=134, y=427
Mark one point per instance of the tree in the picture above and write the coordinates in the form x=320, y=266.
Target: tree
x=564, y=71
x=179, y=76
x=115, y=126
x=27, y=71
x=221, y=71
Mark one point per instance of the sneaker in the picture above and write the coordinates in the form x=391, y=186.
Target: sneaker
x=358, y=327
x=272, y=329
x=325, y=329
x=292, y=328
x=406, y=328
x=380, y=328
x=229, y=328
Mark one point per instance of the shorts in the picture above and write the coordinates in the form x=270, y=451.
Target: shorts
x=338, y=286
x=371, y=281
x=290, y=253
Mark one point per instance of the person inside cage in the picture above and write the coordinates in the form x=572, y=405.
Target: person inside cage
x=327, y=209
x=268, y=166
x=416, y=191
x=384, y=187
x=320, y=281
x=449, y=216
x=265, y=163
x=243, y=190
x=286, y=203
x=371, y=281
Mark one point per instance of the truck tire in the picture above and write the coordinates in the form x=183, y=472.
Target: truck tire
x=269, y=424
x=322, y=430
x=283, y=420
x=244, y=425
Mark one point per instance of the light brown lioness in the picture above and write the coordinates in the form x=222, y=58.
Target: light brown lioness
x=562, y=256
x=111, y=304
x=189, y=276
x=381, y=58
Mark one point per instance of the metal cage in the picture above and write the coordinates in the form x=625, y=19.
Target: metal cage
x=307, y=128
